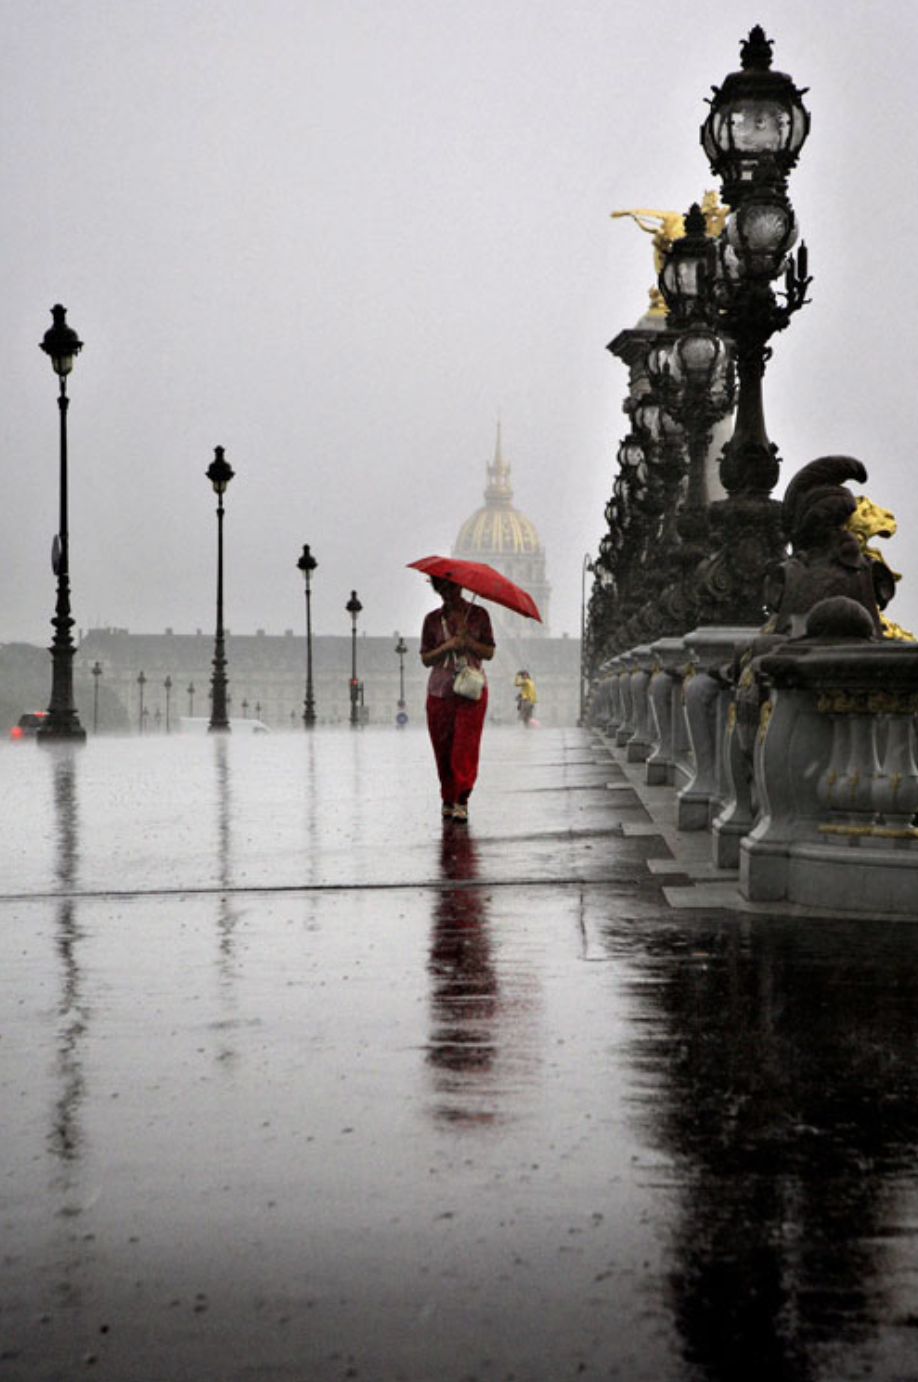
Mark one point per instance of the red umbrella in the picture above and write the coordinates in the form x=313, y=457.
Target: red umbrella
x=483, y=580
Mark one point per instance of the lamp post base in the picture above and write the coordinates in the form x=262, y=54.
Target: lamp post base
x=64, y=731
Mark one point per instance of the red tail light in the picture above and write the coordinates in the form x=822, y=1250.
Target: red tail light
x=15, y=732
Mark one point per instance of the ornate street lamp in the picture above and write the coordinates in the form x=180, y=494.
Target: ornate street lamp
x=141, y=682
x=401, y=649
x=190, y=699
x=353, y=608
x=753, y=136
x=307, y=564
x=219, y=473
x=167, y=684
x=62, y=345
x=96, y=670
x=756, y=115
x=687, y=277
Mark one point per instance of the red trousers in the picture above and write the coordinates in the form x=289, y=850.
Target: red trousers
x=455, y=726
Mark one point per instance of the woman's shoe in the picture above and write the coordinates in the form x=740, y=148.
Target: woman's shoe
x=448, y=811
x=460, y=812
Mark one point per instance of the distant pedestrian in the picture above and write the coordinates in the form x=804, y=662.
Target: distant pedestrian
x=525, y=696
x=456, y=635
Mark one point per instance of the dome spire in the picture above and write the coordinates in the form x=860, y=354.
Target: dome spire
x=498, y=488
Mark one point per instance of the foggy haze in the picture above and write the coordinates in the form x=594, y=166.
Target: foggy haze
x=341, y=239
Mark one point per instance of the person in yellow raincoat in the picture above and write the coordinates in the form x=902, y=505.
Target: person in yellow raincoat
x=525, y=696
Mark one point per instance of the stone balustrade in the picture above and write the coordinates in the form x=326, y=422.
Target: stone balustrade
x=815, y=799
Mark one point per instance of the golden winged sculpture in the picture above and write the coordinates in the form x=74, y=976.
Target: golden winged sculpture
x=667, y=226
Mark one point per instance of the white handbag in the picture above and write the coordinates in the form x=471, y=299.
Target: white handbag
x=469, y=681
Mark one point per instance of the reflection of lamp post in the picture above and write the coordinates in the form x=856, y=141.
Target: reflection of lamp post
x=167, y=684
x=141, y=682
x=401, y=649
x=62, y=345
x=219, y=473
x=190, y=699
x=307, y=564
x=96, y=670
x=353, y=608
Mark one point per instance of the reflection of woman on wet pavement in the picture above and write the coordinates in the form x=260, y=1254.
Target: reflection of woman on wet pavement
x=457, y=629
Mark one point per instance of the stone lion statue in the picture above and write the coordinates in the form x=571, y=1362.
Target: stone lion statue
x=827, y=555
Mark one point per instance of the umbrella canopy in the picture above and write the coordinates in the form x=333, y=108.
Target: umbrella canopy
x=482, y=580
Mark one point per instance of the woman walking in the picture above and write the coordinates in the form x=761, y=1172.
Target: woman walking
x=457, y=632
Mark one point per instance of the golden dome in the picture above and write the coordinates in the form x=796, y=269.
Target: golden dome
x=498, y=528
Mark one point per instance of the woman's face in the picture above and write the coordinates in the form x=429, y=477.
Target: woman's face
x=448, y=591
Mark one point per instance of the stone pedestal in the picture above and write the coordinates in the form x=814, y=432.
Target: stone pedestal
x=837, y=780
x=669, y=655
x=707, y=696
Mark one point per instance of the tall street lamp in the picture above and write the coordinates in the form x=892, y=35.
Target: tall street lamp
x=190, y=699
x=753, y=135
x=61, y=344
x=96, y=670
x=141, y=682
x=307, y=564
x=353, y=608
x=401, y=649
x=167, y=684
x=219, y=473
x=586, y=566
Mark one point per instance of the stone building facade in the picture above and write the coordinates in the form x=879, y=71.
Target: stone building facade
x=267, y=676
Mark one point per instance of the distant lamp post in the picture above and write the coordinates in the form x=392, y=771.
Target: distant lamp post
x=401, y=649
x=190, y=699
x=61, y=344
x=167, y=685
x=96, y=670
x=353, y=608
x=219, y=473
x=245, y=708
x=141, y=682
x=258, y=710
x=307, y=564
x=586, y=566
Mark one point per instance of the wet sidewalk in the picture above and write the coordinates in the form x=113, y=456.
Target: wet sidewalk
x=299, y=1083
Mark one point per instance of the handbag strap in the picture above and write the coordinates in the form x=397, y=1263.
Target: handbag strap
x=459, y=661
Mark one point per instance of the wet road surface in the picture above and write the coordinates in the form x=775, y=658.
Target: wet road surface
x=300, y=1084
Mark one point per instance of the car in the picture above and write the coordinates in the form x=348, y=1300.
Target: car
x=28, y=724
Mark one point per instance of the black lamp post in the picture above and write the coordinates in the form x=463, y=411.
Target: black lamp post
x=586, y=566
x=245, y=708
x=693, y=369
x=96, y=670
x=753, y=135
x=401, y=649
x=353, y=608
x=141, y=682
x=190, y=699
x=219, y=473
x=307, y=564
x=167, y=685
x=61, y=344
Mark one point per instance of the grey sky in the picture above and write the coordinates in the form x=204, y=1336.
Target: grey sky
x=340, y=238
